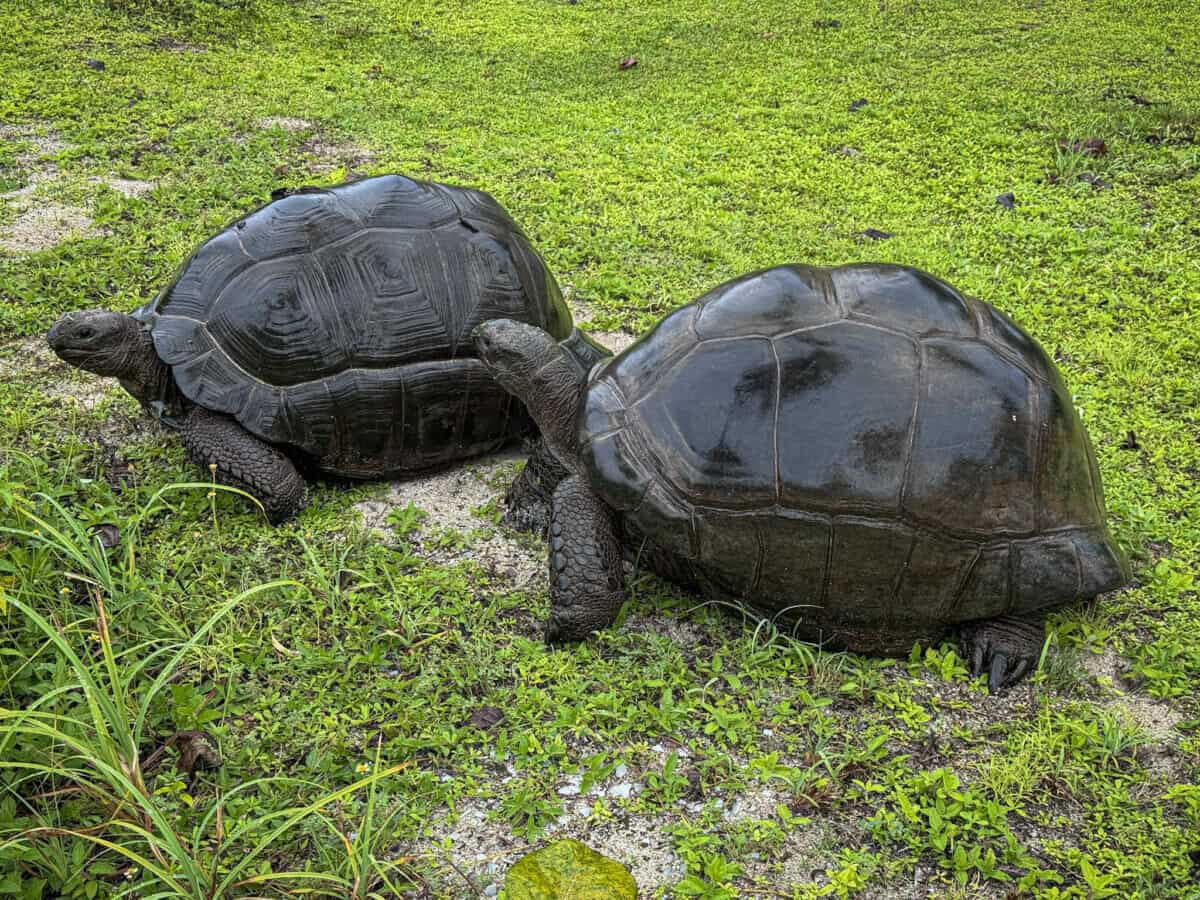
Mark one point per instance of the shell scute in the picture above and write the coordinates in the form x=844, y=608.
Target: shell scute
x=903, y=298
x=846, y=407
x=771, y=302
x=299, y=223
x=394, y=201
x=715, y=436
x=974, y=454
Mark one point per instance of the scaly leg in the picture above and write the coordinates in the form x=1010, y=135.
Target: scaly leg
x=587, y=583
x=243, y=461
x=527, y=502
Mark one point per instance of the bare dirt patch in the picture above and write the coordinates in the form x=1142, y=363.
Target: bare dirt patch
x=452, y=531
x=41, y=222
x=166, y=42
x=583, y=313
x=330, y=154
x=46, y=225
x=287, y=123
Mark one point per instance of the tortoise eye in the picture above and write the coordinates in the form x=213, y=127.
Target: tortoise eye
x=86, y=332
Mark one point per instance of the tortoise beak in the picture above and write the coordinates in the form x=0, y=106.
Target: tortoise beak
x=54, y=337
x=482, y=338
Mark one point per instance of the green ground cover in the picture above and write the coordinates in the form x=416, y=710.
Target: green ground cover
x=388, y=720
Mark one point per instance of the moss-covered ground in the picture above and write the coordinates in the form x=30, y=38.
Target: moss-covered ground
x=717, y=759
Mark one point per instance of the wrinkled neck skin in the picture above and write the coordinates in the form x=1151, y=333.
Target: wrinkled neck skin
x=551, y=386
x=147, y=377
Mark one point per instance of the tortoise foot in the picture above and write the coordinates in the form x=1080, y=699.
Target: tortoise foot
x=529, y=516
x=1007, y=648
x=527, y=501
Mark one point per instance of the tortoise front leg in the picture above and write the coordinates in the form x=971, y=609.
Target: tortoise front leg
x=243, y=461
x=1007, y=647
x=587, y=584
x=527, y=501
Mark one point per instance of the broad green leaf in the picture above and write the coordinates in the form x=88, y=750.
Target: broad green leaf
x=568, y=870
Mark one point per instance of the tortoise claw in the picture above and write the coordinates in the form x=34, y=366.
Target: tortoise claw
x=997, y=673
x=1006, y=648
x=977, y=651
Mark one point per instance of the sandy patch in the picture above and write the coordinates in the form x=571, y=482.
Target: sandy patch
x=1108, y=666
x=806, y=854
x=1154, y=717
x=126, y=187
x=28, y=355
x=333, y=154
x=673, y=627
x=583, y=313
x=287, y=123
x=40, y=224
x=482, y=848
x=642, y=844
x=451, y=531
x=33, y=160
x=1158, y=720
x=31, y=359
x=46, y=225
x=45, y=142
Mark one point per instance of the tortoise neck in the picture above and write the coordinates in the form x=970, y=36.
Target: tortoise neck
x=552, y=391
x=145, y=375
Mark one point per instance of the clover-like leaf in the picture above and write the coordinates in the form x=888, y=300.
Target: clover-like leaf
x=569, y=870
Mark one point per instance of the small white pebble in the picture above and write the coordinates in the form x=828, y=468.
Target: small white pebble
x=625, y=790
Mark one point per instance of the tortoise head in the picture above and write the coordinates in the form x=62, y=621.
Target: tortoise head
x=539, y=372
x=107, y=343
x=514, y=352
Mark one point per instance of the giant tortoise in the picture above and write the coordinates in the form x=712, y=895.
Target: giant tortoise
x=330, y=331
x=859, y=451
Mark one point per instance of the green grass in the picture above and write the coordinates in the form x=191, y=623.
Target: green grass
x=341, y=700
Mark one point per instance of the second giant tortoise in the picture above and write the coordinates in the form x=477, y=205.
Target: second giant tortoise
x=859, y=451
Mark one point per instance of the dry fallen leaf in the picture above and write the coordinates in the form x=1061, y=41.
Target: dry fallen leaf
x=485, y=717
x=108, y=534
x=283, y=651
x=197, y=751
